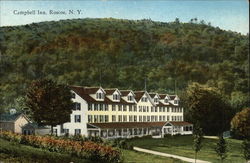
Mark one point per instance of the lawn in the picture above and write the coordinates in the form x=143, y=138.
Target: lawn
x=182, y=145
x=14, y=152
x=139, y=157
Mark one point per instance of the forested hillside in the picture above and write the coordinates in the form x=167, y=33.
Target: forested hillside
x=122, y=53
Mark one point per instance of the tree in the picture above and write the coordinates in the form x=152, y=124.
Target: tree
x=50, y=103
x=240, y=124
x=198, y=136
x=246, y=149
x=221, y=148
x=205, y=105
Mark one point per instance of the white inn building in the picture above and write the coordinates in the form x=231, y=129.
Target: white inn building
x=113, y=113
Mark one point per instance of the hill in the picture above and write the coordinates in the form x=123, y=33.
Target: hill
x=122, y=53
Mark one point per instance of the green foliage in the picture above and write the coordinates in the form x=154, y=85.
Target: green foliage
x=83, y=51
x=221, y=148
x=246, y=149
x=198, y=136
x=50, y=103
x=240, y=124
x=206, y=106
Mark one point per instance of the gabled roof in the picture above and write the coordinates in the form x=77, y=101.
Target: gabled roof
x=7, y=117
x=81, y=91
x=126, y=92
x=162, y=96
x=110, y=91
x=138, y=95
x=172, y=97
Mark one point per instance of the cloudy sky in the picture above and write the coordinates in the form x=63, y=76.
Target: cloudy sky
x=227, y=14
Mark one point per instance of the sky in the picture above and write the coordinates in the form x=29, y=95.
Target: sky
x=226, y=14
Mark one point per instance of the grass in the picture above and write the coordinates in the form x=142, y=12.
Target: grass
x=182, y=146
x=139, y=157
x=13, y=152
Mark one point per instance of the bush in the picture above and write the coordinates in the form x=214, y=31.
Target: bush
x=80, y=148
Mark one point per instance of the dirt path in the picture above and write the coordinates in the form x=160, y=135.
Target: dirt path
x=169, y=155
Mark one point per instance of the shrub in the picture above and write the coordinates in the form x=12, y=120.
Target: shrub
x=80, y=148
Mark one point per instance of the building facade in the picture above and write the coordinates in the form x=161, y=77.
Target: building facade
x=13, y=121
x=112, y=113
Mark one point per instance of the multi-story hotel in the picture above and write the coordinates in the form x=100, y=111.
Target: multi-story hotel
x=110, y=113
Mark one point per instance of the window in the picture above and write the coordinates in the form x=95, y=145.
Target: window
x=120, y=118
x=90, y=118
x=160, y=118
x=144, y=99
x=130, y=98
x=124, y=107
x=95, y=107
x=77, y=106
x=156, y=118
x=156, y=100
x=119, y=107
x=77, y=131
x=140, y=118
x=66, y=131
x=147, y=109
x=163, y=109
x=152, y=118
x=168, y=118
x=77, y=118
x=101, y=118
x=130, y=118
x=166, y=100
x=106, y=118
x=89, y=107
x=135, y=118
x=113, y=118
x=175, y=101
x=156, y=109
x=106, y=107
x=144, y=118
x=73, y=95
x=113, y=108
x=130, y=108
x=101, y=107
x=144, y=108
x=100, y=96
x=148, y=118
x=135, y=108
x=95, y=118
x=140, y=108
x=116, y=97
x=164, y=118
x=152, y=109
x=124, y=118
x=167, y=109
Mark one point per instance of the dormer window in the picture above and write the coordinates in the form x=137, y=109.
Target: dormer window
x=130, y=98
x=100, y=96
x=144, y=99
x=73, y=95
x=166, y=100
x=156, y=100
x=175, y=101
x=116, y=97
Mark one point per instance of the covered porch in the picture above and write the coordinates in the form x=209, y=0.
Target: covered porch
x=174, y=128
